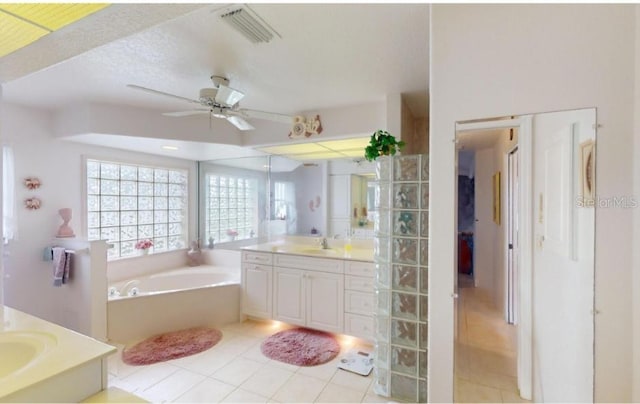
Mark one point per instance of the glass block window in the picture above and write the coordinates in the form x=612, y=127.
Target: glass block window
x=231, y=207
x=127, y=203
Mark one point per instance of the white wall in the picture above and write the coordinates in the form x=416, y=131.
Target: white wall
x=310, y=182
x=483, y=239
x=497, y=60
x=58, y=164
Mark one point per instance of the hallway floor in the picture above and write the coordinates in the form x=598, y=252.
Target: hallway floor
x=485, y=362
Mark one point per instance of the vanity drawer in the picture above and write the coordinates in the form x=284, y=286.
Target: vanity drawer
x=256, y=267
x=358, y=302
x=359, y=268
x=257, y=257
x=308, y=263
x=358, y=326
x=361, y=283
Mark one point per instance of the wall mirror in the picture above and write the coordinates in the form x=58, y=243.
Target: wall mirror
x=525, y=256
x=253, y=199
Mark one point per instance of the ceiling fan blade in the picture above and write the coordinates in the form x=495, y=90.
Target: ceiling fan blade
x=188, y=113
x=269, y=116
x=240, y=123
x=228, y=96
x=152, y=91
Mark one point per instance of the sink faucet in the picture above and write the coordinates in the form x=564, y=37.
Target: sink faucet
x=324, y=244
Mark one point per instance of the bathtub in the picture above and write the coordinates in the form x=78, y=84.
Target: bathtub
x=171, y=300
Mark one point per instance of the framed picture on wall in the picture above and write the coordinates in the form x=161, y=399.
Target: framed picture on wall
x=496, y=198
x=587, y=171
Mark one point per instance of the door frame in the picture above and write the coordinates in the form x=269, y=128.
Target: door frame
x=507, y=235
x=525, y=310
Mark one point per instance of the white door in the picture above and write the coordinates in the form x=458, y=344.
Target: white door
x=325, y=301
x=288, y=294
x=513, y=241
x=256, y=290
x=563, y=271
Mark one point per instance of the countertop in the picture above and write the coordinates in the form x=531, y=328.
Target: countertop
x=356, y=254
x=66, y=350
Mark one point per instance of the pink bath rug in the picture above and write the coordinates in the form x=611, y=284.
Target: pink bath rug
x=171, y=345
x=301, y=346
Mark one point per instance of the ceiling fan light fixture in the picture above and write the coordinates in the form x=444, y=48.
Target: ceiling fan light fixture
x=208, y=93
x=249, y=24
x=218, y=113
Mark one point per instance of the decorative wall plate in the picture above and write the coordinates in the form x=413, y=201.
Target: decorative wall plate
x=32, y=183
x=32, y=203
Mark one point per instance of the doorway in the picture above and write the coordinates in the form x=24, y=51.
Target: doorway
x=486, y=344
x=547, y=232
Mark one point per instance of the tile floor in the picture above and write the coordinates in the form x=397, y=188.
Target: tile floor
x=236, y=371
x=485, y=360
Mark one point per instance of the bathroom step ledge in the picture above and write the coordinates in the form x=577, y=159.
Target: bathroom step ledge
x=114, y=395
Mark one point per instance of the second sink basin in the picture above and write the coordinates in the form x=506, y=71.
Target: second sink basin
x=20, y=348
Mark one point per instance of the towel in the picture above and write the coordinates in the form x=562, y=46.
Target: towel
x=67, y=267
x=59, y=265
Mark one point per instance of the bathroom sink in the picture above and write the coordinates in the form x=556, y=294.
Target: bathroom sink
x=317, y=251
x=18, y=349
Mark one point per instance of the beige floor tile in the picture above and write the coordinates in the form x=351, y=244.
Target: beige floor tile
x=239, y=344
x=468, y=392
x=323, y=372
x=494, y=380
x=237, y=371
x=172, y=387
x=511, y=397
x=333, y=393
x=502, y=362
x=485, y=361
x=242, y=396
x=255, y=354
x=282, y=365
x=207, y=391
x=300, y=389
x=208, y=364
x=116, y=367
x=267, y=380
x=374, y=398
x=352, y=380
x=146, y=377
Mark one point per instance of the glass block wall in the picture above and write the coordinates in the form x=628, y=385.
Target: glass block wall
x=401, y=253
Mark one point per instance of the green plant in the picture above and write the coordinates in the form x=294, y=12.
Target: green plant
x=382, y=144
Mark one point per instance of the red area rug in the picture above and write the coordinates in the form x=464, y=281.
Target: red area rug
x=171, y=345
x=301, y=346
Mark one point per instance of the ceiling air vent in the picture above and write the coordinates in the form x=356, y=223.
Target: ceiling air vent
x=249, y=24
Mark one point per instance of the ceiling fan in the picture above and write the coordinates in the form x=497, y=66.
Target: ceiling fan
x=220, y=101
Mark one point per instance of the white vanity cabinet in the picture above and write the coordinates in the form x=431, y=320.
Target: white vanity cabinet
x=288, y=293
x=328, y=294
x=257, y=281
x=309, y=291
x=359, y=299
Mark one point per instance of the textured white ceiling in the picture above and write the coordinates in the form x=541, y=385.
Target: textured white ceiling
x=330, y=55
